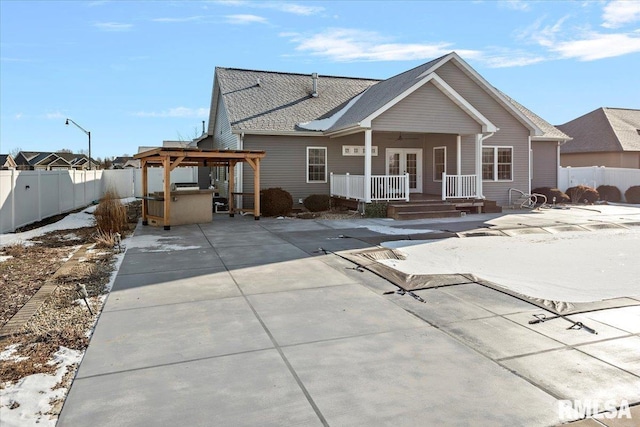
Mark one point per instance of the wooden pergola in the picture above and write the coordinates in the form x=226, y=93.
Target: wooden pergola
x=170, y=158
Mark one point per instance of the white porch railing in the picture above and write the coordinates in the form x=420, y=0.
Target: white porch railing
x=383, y=187
x=459, y=186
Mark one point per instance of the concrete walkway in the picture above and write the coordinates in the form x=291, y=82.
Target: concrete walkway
x=246, y=323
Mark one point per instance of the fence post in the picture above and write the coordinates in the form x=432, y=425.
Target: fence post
x=348, y=184
x=14, y=178
x=39, y=194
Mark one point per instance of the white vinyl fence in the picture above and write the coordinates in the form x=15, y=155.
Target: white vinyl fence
x=594, y=176
x=30, y=196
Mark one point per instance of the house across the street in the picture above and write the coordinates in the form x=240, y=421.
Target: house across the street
x=604, y=137
x=37, y=160
x=438, y=130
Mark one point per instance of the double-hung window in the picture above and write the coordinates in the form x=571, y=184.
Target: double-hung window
x=497, y=163
x=316, y=164
x=439, y=162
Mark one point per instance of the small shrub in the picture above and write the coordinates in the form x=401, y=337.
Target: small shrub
x=633, y=194
x=583, y=194
x=111, y=214
x=551, y=193
x=375, y=210
x=317, y=202
x=275, y=202
x=609, y=193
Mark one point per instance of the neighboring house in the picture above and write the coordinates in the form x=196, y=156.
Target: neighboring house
x=7, y=162
x=35, y=160
x=380, y=140
x=604, y=137
x=122, y=162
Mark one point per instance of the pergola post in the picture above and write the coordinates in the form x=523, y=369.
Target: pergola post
x=145, y=193
x=232, y=187
x=166, y=163
x=256, y=189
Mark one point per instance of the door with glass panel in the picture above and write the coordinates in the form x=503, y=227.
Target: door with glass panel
x=406, y=160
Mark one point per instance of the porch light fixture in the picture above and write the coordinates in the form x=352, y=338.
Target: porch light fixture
x=88, y=134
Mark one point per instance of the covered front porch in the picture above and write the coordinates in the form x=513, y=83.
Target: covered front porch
x=414, y=168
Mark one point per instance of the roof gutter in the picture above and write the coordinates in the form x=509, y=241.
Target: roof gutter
x=277, y=133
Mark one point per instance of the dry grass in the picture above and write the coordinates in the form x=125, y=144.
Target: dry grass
x=111, y=214
x=63, y=319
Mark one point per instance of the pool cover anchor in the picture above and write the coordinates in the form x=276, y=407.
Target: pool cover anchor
x=541, y=318
x=403, y=292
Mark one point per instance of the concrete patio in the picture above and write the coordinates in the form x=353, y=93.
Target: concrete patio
x=243, y=323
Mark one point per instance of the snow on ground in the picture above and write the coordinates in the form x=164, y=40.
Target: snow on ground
x=148, y=243
x=570, y=266
x=383, y=229
x=72, y=221
x=31, y=396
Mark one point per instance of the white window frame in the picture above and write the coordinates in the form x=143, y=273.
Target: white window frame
x=444, y=170
x=495, y=149
x=326, y=166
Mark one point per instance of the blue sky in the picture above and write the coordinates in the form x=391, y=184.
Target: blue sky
x=137, y=73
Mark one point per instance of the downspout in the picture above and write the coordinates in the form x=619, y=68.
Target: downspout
x=479, y=163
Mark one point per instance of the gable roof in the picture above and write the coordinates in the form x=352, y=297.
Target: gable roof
x=7, y=159
x=270, y=102
x=604, y=129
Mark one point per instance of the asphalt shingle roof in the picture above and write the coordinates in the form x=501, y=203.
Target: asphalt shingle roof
x=282, y=100
x=604, y=129
x=549, y=131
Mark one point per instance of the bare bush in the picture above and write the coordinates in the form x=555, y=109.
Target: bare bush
x=111, y=214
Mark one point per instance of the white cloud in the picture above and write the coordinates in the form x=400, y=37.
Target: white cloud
x=598, y=46
x=620, y=12
x=287, y=7
x=521, y=5
x=177, y=112
x=18, y=116
x=294, y=8
x=113, y=26
x=56, y=115
x=245, y=19
x=512, y=59
x=345, y=45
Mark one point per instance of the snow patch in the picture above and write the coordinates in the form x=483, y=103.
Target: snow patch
x=394, y=231
x=5, y=257
x=8, y=354
x=31, y=396
x=149, y=243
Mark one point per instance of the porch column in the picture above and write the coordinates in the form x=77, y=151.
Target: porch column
x=367, y=165
x=458, y=155
x=479, y=166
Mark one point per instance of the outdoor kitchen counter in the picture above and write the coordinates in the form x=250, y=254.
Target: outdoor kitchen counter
x=187, y=207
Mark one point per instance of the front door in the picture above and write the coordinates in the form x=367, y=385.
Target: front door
x=406, y=160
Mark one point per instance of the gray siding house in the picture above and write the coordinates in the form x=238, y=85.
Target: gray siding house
x=604, y=137
x=437, y=129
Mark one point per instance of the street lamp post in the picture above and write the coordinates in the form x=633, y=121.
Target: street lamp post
x=88, y=134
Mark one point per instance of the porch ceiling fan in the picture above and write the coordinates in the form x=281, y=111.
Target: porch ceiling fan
x=401, y=138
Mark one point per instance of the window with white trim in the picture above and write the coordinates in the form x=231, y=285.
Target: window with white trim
x=316, y=164
x=497, y=163
x=439, y=162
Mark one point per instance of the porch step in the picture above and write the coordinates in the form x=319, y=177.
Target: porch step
x=418, y=207
x=421, y=209
x=427, y=214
